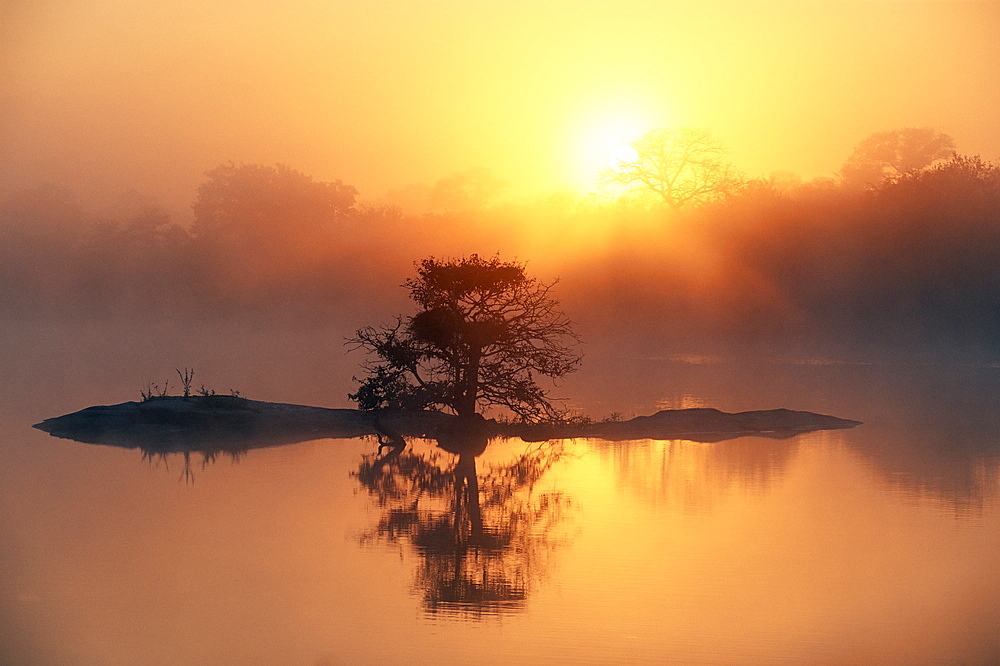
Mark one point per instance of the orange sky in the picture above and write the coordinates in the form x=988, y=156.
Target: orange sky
x=106, y=95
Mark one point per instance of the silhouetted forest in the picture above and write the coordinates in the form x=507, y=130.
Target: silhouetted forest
x=910, y=266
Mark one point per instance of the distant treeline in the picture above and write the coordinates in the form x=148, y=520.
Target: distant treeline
x=911, y=265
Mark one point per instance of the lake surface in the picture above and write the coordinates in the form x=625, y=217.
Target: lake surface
x=879, y=544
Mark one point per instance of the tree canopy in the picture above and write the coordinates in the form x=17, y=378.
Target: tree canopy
x=483, y=333
x=468, y=190
x=252, y=201
x=894, y=153
x=682, y=167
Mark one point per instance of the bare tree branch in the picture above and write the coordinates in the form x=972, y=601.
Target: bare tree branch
x=683, y=167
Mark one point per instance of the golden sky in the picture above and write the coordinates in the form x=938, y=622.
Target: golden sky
x=105, y=95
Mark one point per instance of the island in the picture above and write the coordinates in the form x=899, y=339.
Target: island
x=175, y=423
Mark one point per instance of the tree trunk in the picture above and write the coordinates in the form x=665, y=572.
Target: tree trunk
x=469, y=391
x=466, y=469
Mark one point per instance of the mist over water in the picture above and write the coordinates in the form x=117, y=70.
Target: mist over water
x=834, y=546
x=905, y=271
x=239, y=190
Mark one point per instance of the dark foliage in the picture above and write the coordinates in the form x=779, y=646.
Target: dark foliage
x=481, y=537
x=485, y=330
x=894, y=153
x=909, y=265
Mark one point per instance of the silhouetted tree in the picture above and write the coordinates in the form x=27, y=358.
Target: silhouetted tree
x=484, y=331
x=264, y=232
x=467, y=190
x=911, y=266
x=893, y=153
x=251, y=201
x=139, y=225
x=481, y=537
x=960, y=176
x=683, y=167
x=144, y=259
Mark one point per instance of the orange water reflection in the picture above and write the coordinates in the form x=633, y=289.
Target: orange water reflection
x=483, y=537
x=872, y=545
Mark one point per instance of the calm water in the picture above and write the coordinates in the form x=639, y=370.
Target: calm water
x=879, y=544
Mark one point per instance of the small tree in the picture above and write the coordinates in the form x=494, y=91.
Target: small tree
x=484, y=331
x=682, y=167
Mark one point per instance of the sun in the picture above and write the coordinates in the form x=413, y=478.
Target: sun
x=621, y=156
x=605, y=143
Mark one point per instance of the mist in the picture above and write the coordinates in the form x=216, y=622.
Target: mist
x=447, y=140
x=905, y=270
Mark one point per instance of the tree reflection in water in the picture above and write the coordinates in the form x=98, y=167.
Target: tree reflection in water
x=482, y=537
x=209, y=456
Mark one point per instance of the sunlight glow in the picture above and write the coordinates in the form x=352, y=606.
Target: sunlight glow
x=621, y=155
x=606, y=142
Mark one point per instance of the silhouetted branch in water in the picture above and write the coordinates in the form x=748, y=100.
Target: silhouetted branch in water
x=465, y=471
x=480, y=540
x=387, y=438
x=187, y=474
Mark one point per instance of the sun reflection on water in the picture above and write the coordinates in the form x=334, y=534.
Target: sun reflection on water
x=683, y=401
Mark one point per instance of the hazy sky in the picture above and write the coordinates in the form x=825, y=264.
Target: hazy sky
x=105, y=95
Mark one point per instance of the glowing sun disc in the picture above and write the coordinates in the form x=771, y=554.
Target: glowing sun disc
x=621, y=156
